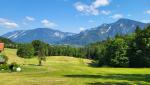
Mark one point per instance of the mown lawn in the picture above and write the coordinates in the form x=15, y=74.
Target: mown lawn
x=61, y=70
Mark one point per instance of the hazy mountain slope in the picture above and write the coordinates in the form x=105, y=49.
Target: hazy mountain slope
x=122, y=26
x=43, y=34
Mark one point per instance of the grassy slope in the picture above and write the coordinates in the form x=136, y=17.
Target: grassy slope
x=63, y=70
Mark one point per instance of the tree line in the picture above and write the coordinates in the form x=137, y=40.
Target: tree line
x=41, y=50
x=8, y=43
x=122, y=51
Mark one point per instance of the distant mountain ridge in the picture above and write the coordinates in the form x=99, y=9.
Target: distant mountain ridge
x=43, y=34
x=51, y=36
x=122, y=26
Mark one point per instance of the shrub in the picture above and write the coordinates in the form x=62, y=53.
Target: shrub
x=25, y=51
x=4, y=67
x=13, y=66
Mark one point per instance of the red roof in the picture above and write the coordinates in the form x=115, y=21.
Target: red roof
x=1, y=46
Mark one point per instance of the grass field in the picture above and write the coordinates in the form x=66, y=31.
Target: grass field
x=61, y=70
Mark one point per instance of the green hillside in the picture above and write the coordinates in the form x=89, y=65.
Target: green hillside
x=62, y=70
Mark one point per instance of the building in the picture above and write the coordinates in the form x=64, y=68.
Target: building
x=2, y=60
x=1, y=47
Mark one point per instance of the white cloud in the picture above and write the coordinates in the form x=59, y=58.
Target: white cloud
x=81, y=29
x=7, y=23
x=99, y=3
x=148, y=11
x=83, y=8
x=91, y=9
x=105, y=12
x=48, y=23
x=29, y=18
x=117, y=16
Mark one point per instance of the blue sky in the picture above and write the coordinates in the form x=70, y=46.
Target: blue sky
x=68, y=15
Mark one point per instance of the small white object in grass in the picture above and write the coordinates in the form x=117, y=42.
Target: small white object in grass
x=18, y=69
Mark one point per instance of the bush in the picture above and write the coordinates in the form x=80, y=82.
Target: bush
x=25, y=51
x=13, y=66
x=4, y=67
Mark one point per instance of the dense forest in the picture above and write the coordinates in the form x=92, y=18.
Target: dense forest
x=122, y=51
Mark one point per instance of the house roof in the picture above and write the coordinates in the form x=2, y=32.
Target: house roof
x=1, y=46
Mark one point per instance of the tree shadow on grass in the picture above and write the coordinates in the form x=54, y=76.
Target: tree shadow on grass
x=93, y=64
x=109, y=83
x=128, y=77
x=32, y=64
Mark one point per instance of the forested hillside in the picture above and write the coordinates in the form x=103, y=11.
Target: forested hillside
x=8, y=43
x=123, y=51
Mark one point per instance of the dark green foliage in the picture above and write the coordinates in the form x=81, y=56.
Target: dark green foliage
x=8, y=43
x=41, y=50
x=9, y=67
x=4, y=67
x=65, y=50
x=139, y=52
x=38, y=45
x=110, y=53
x=3, y=62
x=122, y=51
x=25, y=51
x=117, y=52
x=13, y=66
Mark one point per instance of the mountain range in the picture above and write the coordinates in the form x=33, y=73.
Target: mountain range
x=44, y=34
x=51, y=36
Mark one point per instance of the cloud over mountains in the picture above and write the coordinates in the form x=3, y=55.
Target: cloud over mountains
x=93, y=8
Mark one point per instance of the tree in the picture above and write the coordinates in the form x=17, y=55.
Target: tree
x=41, y=54
x=117, y=53
x=25, y=51
x=138, y=30
x=139, y=53
x=41, y=50
x=8, y=43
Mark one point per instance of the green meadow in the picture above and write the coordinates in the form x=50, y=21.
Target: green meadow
x=64, y=70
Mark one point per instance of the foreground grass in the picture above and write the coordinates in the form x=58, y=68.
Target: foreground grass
x=61, y=70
